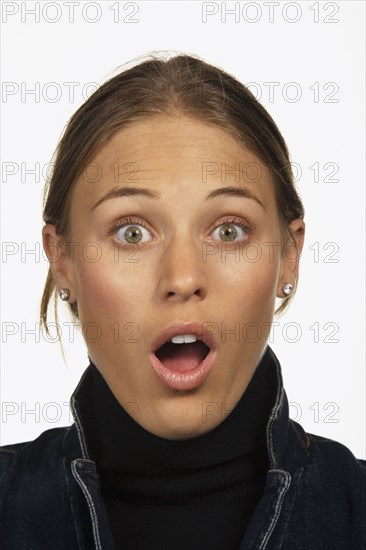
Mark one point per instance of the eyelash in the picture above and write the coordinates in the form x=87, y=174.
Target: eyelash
x=125, y=222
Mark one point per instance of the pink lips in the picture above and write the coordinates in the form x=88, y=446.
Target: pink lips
x=192, y=378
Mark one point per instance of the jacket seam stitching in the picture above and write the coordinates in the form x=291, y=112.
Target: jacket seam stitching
x=277, y=510
x=301, y=440
x=90, y=506
x=80, y=434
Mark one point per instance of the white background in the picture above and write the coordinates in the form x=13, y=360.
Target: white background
x=313, y=49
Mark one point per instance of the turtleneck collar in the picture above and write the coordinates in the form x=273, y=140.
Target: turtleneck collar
x=114, y=440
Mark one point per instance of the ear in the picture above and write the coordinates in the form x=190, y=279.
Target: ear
x=61, y=261
x=289, y=271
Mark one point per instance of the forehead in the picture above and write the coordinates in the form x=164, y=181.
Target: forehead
x=171, y=154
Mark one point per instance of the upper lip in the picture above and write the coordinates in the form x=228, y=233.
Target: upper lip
x=193, y=327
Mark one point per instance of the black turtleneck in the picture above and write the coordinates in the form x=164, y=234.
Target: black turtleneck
x=192, y=494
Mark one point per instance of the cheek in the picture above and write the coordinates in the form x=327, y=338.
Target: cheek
x=107, y=291
x=253, y=286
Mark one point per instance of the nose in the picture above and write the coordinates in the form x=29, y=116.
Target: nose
x=182, y=273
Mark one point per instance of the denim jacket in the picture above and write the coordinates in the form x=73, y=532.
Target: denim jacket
x=314, y=497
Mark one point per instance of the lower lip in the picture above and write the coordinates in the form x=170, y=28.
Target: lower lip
x=187, y=380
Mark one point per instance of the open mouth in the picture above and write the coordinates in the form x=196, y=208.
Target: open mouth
x=182, y=357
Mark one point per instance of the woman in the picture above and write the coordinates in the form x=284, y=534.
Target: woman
x=172, y=225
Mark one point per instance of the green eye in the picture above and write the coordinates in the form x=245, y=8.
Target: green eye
x=130, y=231
x=228, y=232
x=133, y=233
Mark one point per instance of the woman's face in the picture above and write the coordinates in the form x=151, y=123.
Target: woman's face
x=180, y=257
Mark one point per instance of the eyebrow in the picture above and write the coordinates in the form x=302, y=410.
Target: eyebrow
x=240, y=192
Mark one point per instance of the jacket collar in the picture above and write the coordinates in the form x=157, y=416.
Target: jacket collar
x=288, y=451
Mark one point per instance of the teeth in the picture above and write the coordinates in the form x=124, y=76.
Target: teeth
x=183, y=339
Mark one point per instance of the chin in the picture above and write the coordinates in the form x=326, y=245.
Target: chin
x=178, y=422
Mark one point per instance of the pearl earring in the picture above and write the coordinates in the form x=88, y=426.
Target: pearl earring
x=287, y=288
x=64, y=294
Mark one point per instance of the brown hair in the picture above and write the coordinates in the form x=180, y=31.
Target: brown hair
x=182, y=84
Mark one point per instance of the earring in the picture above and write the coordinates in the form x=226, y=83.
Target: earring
x=287, y=288
x=64, y=294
